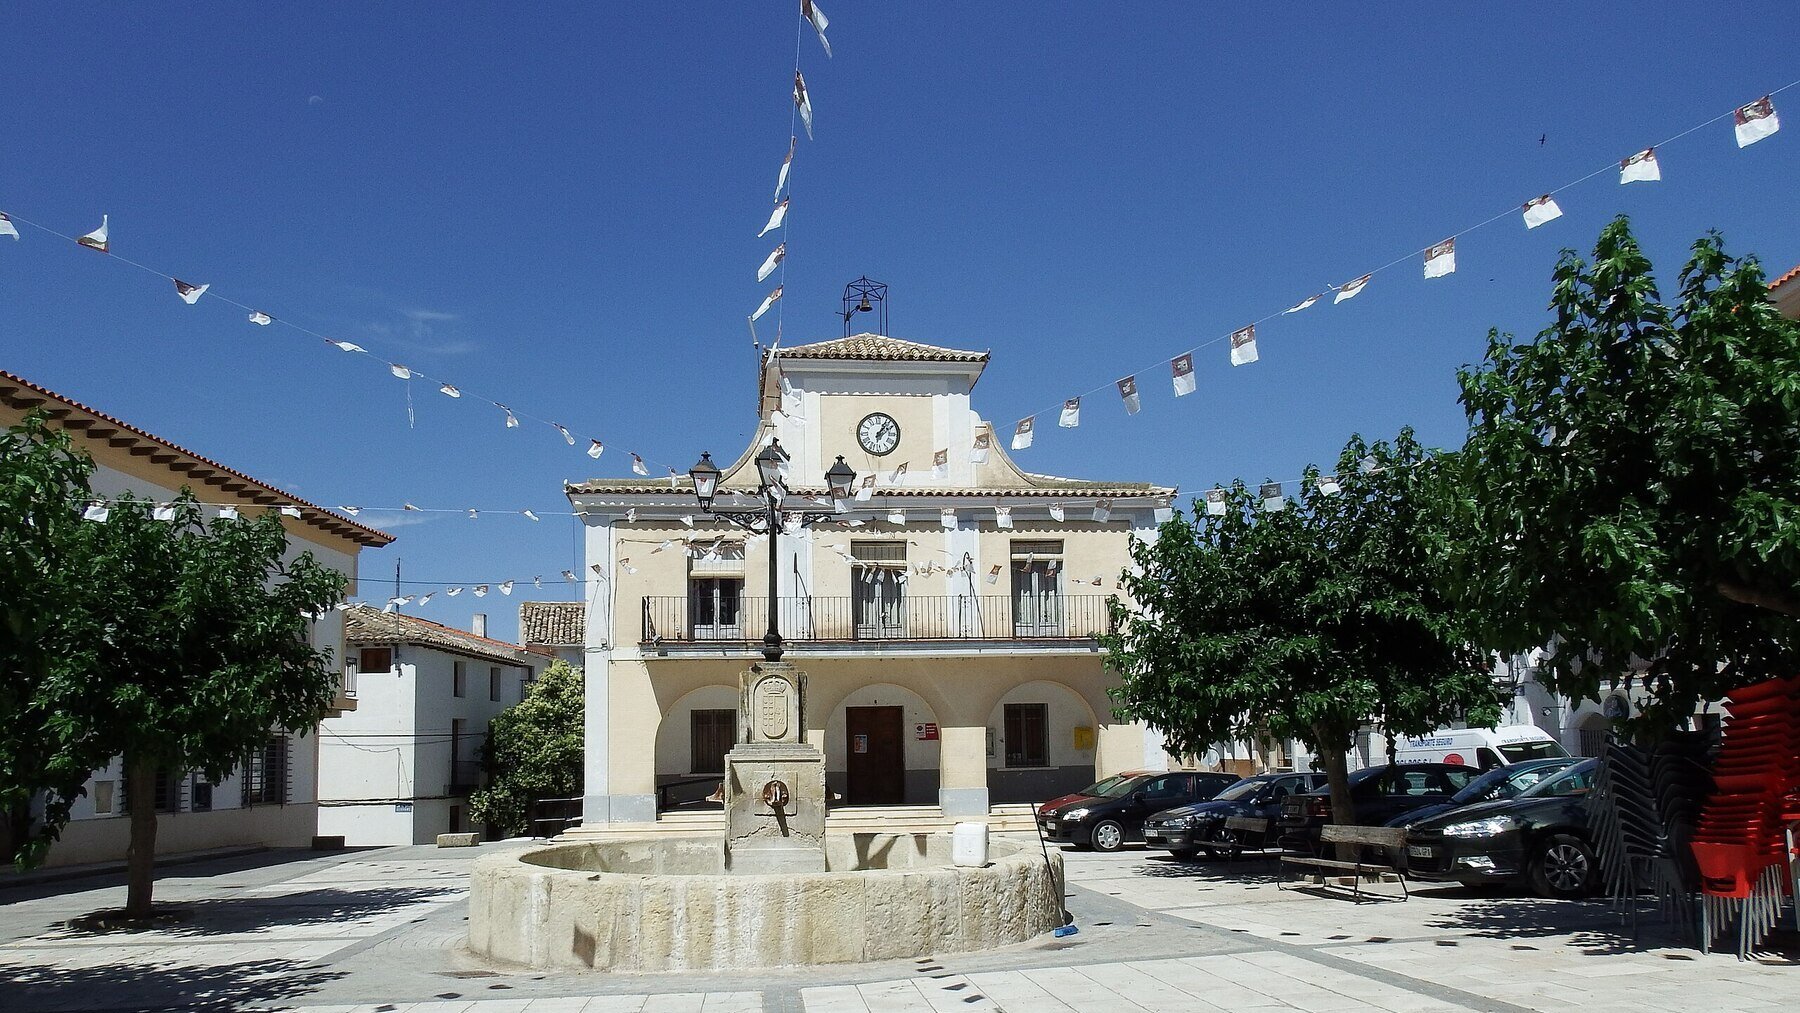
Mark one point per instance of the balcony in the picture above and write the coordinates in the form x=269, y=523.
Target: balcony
x=465, y=777
x=674, y=620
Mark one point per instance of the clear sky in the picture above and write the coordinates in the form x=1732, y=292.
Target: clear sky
x=556, y=206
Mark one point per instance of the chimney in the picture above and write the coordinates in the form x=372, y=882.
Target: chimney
x=478, y=624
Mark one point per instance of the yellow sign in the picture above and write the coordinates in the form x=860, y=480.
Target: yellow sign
x=1084, y=737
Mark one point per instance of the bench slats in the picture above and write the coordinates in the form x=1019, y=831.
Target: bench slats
x=1386, y=837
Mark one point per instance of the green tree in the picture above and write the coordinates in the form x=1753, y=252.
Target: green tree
x=1309, y=622
x=533, y=751
x=1632, y=481
x=184, y=645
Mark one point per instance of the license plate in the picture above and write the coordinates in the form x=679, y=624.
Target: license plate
x=1419, y=851
x=1050, y=825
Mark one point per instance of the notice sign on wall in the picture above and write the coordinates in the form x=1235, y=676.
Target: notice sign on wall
x=926, y=731
x=1084, y=737
x=859, y=743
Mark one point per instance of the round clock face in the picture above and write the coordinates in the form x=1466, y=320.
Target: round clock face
x=878, y=433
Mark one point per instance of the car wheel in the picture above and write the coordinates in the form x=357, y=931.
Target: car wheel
x=1185, y=854
x=1108, y=836
x=1564, y=868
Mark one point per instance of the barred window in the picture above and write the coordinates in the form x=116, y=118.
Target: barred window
x=265, y=774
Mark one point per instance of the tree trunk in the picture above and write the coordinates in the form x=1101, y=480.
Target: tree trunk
x=1337, y=775
x=140, y=856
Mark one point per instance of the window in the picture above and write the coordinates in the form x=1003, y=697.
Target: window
x=716, y=607
x=169, y=787
x=1026, y=734
x=1167, y=788
x=878, y=589
x=1037, y=588
x=375, y=659
x=265, y=773
x=494, y=683
x=459, y=679
x=714, y=733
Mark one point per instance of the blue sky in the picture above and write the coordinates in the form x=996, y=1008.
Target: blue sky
x=558, y=208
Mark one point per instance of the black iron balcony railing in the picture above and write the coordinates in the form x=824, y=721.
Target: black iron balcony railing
x=848, y=619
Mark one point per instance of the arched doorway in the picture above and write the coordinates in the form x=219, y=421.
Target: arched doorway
x=1041, y=743
x=691, y=743
x=881, y=748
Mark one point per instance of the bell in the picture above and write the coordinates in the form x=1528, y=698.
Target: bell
x=865, y=307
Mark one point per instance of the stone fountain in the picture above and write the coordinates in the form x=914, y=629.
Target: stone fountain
x=776, y=890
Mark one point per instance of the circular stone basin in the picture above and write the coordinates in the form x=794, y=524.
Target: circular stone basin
x=668, y=904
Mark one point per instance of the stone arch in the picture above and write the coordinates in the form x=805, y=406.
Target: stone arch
x=674, y=736
x=1069, y=756
x=920, y=755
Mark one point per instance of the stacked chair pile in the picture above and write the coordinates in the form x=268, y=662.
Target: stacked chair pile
x=1743, y=844
x=1646, y=802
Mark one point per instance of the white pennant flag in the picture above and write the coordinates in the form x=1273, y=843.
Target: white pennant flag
x=1755, y=121
x=228, y=513
x=1328, y=484
x=1102, y=509
x=449, y=391
x=399, y=371
x=978, y=454
x=453, y=592
x=7, y=228
x=1022, y=433
x=1003, y=517
x=1539, y=210
x=940, y=464
x=96, y=512
x=786, y=164
x=351, y=510
x=1350, y=291
x=1164, y=515
x=776, y=217
x=1302, y=304
x=687, y=520
x=427, y=598
x=529, y=515
x=1182, y=368
x=97, y=239
x=1243, y=346
x=811, y=12
x=481, y=590
x=290, y=511
x=865, y=489
x=1441, y=259
x=1272, y=499
x=595, y=448
x=260, y=319
x=674, y=479
x=568, y=576
x=506, y=588
x=896, y=517
x=993, y=574
x=163, y=512
x=1128, y=393
x=567, y=436
x=899, y=473
x=1640, y=168
x=346, y=346
x=512, y=421
x=767, y=302
x=1056, y=511
x=1071, y=414
x=408, y=506
x=189, y=294
x=769, y=265
x=803, y=102
x=947, y=517
x=1215, y=501
x=474, y=514
x=637, y=466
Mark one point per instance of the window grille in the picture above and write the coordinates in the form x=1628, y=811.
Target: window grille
x=1027, y=737
x=265, y=774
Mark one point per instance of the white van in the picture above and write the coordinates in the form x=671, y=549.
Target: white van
x=1481, y=747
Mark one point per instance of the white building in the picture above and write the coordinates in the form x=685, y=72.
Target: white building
x=554, y=628
x=269, y=801
x=399, y=768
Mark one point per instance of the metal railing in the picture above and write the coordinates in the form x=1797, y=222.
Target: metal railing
x=848, y=619
x=548, y=817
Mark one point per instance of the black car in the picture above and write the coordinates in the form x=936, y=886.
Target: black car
x=1377, y=795
x=1539, y=837
x=1104, y=816
x=1187, y=830
x=1498, y=783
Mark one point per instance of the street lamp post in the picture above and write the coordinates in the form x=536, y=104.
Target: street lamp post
x=771, y=467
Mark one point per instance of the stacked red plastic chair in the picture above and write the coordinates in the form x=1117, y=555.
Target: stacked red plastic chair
x=1742, y=844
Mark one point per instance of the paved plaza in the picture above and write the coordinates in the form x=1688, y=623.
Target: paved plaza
x=381, y=931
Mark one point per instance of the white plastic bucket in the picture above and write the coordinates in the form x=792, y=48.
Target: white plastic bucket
x=969, y=845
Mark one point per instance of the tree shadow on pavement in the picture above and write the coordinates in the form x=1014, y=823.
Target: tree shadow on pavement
x=1255, y=870
x=55, y=882
x=1595, y=927
x=252, y=913
x=210, y=989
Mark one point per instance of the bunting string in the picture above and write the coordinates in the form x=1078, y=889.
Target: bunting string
x=1751, y=123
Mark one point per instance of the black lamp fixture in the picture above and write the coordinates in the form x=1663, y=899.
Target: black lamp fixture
x=769, y=518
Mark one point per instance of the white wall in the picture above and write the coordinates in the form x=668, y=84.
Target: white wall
x=1064, y=712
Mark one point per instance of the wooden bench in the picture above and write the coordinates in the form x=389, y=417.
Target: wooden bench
x=1359, y=870
x=1246, y=829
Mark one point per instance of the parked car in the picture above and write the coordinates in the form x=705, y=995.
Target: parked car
x=1539, y=837
x=1498, y=783
x=1190, y=829
x=1486, y=748
x=1377, y=795
x=1106, y=815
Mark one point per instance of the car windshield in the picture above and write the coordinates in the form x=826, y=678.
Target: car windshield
x=1238, y=789
x=1116, y=787
x=1519, y=752
x=1503, y=782
x=1102, y=788
x=1577, y=780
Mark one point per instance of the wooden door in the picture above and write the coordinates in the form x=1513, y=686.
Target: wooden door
x=874, y=756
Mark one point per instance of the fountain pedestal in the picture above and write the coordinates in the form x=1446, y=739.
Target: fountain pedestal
x=774, y=779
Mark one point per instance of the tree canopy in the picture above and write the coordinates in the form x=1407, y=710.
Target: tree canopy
x=533, y=750
x=1632, y=481
x=1308, y=621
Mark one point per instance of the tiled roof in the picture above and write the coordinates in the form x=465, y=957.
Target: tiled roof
x=24, y=395
x=365, y=624
x=880, y=347
x=1784, y=279
x=554, y=623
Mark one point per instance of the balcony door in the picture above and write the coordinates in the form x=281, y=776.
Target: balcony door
x=716, y=608
x=1037, y=597
x=878, y=589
